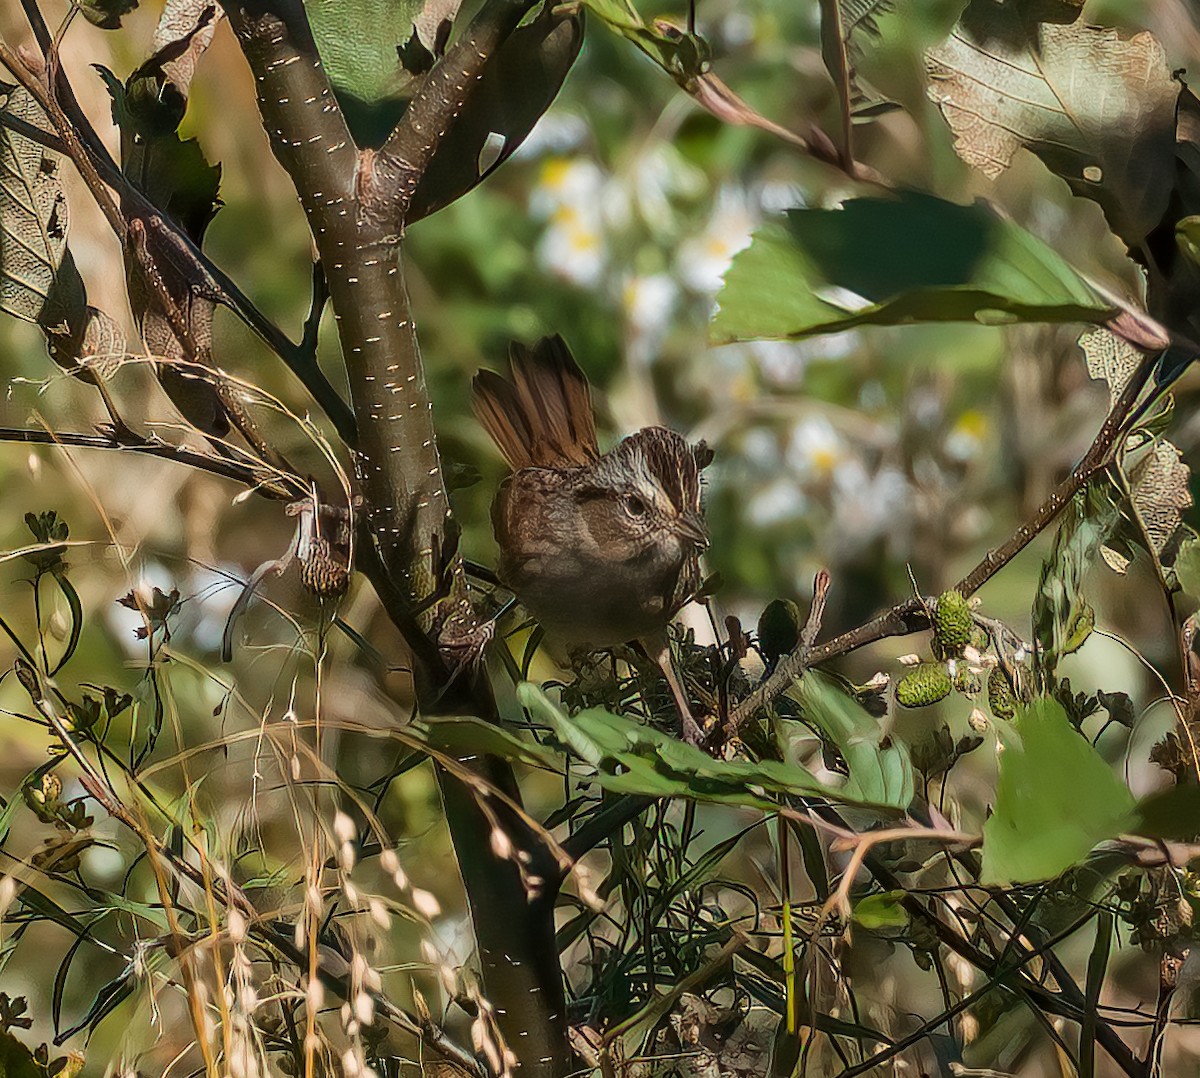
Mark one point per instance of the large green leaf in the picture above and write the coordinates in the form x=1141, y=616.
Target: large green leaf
x=888, y=261
x=636, y=759
x=1096, y=107
x=1055, y=800
x=881, y=771
x=373, y=50
x=16, y=1061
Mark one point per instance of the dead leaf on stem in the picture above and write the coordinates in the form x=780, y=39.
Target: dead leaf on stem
x=1096, y=107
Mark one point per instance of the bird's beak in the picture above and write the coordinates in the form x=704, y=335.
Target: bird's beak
x=691, y=527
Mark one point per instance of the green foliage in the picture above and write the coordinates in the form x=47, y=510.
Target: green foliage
x=1062, y=617
x=881, y=770
x=632, y=758
x=881, y=911
x=1055, y=799
x=887, y=261
x=952, y=623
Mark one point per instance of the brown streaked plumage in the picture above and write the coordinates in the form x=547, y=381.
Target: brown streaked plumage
x=600, y=548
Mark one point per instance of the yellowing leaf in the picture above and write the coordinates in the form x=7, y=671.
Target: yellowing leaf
x=1097, y=108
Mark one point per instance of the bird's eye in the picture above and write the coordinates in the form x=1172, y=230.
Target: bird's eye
x=634, y=505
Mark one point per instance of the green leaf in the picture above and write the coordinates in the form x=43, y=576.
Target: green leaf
x=636, y=759
x=76, y=607
x=1173, y=813
x=1187, y=566
x=1062, y=617
x=16, y=1061
x=1056, y=799
x=374, y=52
x=457, y=736
x=888, y=261
x=1097, y=108
x=881, y=911
x=881, y=770
x=683, y=55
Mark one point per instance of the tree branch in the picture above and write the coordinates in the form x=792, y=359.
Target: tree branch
x=391, y=176
x=412, y=551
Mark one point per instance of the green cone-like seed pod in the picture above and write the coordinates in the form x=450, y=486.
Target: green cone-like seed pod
x=952, y=623
x=1000, y=695
x=779, y=629
x=923, y=685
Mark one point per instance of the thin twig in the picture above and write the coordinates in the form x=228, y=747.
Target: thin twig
x=225, y=467
x=911, y=615
x=792, y=665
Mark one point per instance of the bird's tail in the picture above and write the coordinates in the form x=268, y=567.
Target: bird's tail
x=541, y=417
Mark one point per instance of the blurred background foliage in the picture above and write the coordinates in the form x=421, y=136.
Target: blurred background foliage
x=893, y=457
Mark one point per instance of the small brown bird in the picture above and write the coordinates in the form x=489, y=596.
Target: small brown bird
x=600, y=548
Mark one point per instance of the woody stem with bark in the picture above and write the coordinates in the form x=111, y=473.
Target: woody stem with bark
x=356, y=214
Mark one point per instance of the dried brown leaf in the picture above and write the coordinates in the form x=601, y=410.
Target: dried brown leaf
x=33, y=218
x=1097, y=108
x=185, y=29
x=1109, y=359
x=1161, y=493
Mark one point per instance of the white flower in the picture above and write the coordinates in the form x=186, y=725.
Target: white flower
x=703, y=259
x=780, y=502
x=968, y=436
x=555, y=132
x=649, y=302
x=776, y=196
x=573, y=247
x=866, y=507
x=575, y=182
x=761, y=448
x=815, y=449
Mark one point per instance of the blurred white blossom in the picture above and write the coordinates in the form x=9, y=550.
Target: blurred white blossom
x=649, y=303
x=556, y=132
x=703, y=259
x=779, y=502
x=569, y=195
x=867, y=507
x=573, y=247
x=575, y=182
x=968, y=436
x=815, y=449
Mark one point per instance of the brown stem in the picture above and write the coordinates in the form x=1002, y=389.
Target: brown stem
x=390, y=177
x=226, y=467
